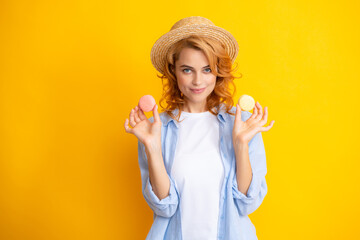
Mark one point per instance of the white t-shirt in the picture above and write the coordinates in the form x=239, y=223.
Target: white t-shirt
x=198, y=173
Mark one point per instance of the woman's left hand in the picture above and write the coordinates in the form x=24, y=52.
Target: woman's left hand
x=244, y=131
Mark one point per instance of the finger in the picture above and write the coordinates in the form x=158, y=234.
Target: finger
x=267, y=128
x=259, y=115
x=132, y=121
x=254, y=113
x=265, y=115
x=238, y=112
x=126, y=125
x=260, y=108
x=142, y=114
x=156, y=114
x=137, y=119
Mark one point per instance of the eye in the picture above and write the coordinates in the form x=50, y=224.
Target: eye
x=209, y=69
x=186, y=69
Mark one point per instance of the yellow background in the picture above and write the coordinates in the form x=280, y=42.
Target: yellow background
x=70, y=72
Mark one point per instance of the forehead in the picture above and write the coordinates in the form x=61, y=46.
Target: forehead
x=192, y=57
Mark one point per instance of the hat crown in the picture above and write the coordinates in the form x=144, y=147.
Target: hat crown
x=194, y=20
x=186, y=27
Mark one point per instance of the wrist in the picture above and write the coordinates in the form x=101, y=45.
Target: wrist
x=153, y=148
x=239, y=141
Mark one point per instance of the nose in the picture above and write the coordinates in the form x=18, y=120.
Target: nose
x=197, y=79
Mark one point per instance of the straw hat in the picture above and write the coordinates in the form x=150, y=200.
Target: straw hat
x=186, y=27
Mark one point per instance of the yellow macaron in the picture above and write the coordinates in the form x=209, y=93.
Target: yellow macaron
x=246, y=102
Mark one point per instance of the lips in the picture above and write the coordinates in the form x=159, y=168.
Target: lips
x=197, y=90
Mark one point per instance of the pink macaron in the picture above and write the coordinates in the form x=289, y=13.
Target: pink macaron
x=147, y=103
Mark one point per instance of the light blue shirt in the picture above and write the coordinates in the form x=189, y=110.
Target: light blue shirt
x=233, y=223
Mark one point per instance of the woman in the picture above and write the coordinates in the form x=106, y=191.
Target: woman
x=202, y=160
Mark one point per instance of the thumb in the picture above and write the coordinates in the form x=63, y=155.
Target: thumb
x=156, y=114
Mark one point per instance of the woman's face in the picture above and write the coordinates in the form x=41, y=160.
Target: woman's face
x=193, y=71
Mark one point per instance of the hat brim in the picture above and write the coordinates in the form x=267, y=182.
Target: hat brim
x=162, y=45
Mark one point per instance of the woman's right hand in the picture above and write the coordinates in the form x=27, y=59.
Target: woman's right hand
x=147, y=132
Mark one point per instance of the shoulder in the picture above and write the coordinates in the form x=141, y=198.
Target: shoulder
x=164, y=117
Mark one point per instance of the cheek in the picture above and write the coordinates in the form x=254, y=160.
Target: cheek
x=212, y=81
x=182, y=81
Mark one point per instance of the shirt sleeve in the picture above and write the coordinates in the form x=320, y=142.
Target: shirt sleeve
x=255, y=195
x=165, y=207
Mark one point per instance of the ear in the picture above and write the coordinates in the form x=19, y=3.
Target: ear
x=172, y=68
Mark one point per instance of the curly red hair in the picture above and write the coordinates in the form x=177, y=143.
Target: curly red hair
x=220, y=65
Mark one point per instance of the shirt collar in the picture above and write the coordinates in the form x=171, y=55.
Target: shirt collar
x=221, y=117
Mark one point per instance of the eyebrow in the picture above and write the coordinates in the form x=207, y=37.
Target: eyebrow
x=192, y=67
